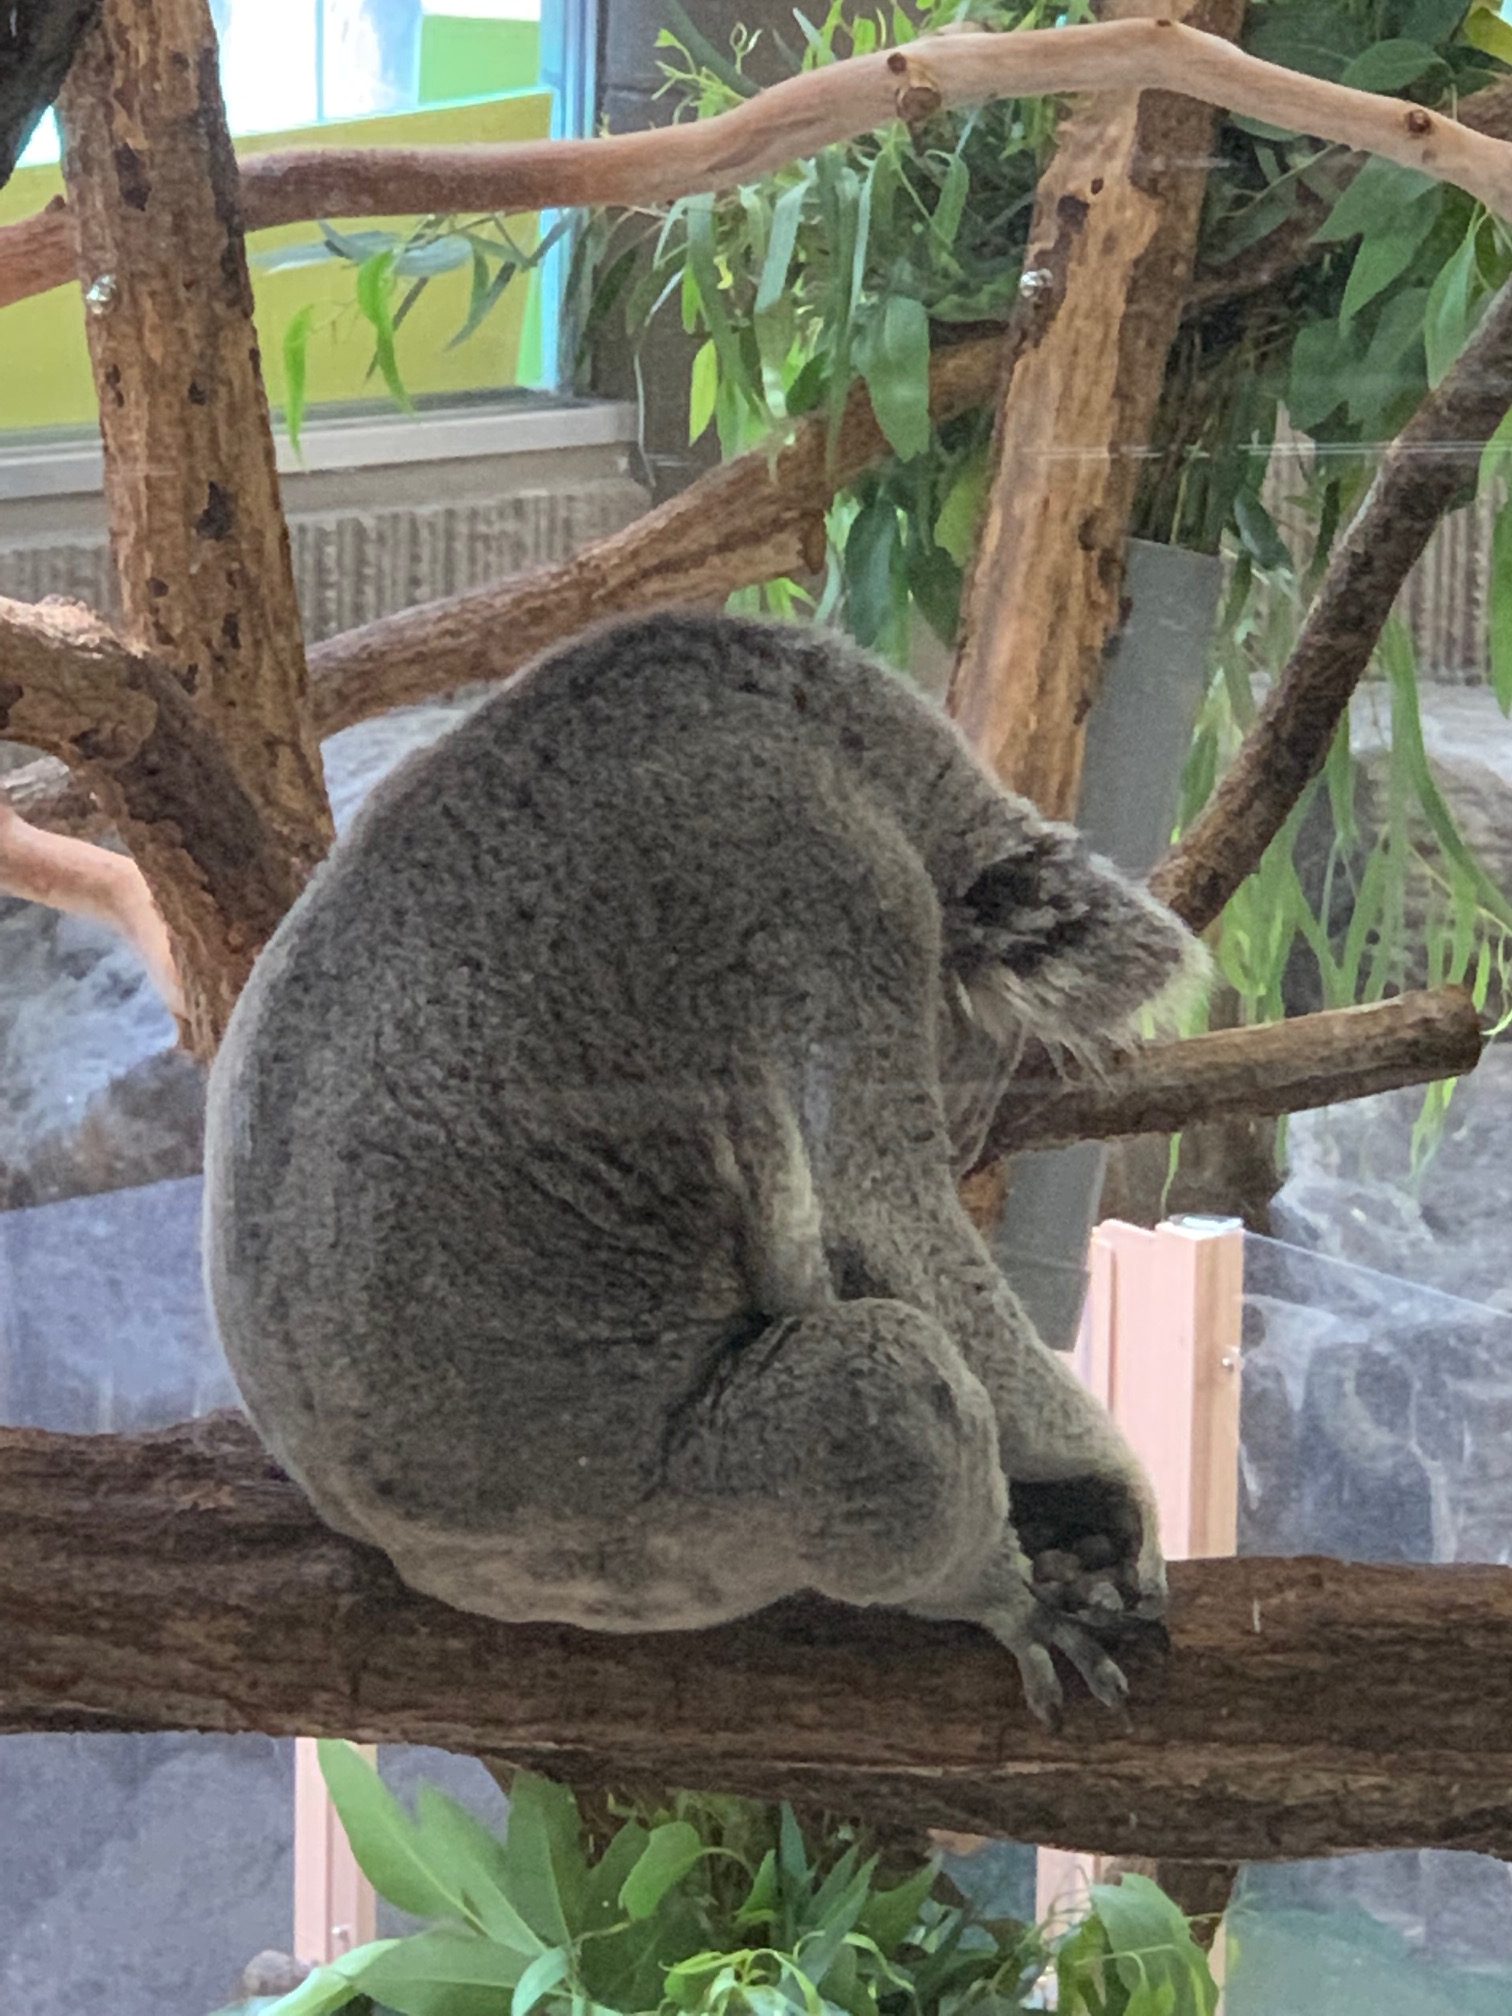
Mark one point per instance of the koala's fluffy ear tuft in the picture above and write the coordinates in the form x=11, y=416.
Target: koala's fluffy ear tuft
x=1053, y=941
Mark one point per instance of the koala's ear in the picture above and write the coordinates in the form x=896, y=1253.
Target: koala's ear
x=1053, y=941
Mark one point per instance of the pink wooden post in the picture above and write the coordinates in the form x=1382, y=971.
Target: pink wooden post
x=334, y=1905
x=1159, y=1346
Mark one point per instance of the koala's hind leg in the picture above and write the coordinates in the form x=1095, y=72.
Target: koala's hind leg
x=851, y=1451
x=1061, y=1451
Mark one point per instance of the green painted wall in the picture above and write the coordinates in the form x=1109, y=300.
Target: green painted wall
x=462, y=58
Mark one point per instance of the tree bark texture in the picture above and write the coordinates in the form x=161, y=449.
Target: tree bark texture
x=37, y=43
x=1112, y=246
x=178, y=1582
x=1279, y=1067
x=130, y=733
x=196, y=524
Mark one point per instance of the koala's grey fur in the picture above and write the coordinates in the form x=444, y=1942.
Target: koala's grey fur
x=581, y=1214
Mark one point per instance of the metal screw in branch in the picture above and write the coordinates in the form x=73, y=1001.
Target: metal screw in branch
x=1035, y=283
x=100, y=295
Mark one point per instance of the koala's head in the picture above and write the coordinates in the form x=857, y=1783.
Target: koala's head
x=1052, y=942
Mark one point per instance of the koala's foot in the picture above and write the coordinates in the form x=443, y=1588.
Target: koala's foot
x=1093, y=1551
x=1031, y=1630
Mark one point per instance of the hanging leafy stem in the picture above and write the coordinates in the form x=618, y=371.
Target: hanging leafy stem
x=711, y=1906
x=391, y=270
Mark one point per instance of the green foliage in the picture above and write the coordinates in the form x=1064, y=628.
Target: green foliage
x=391, y=270
x=711, y=1907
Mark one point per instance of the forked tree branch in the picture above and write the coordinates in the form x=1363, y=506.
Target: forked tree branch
x=125, y=726
x=801, y=114
x=178, y=1582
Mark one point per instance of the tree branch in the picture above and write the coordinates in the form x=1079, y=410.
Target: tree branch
x=85, y=880
x=802, y=114
x=1281, y=1067
x=178, y=1582
x=1425, y=471
x=197, y=531
x=743, y=522
x=69, y=685
x=1111, y=246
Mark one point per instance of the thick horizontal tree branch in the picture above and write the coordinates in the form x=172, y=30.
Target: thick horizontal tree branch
x=802, y=114
x=743, y=522
x=1427, y=469
x=178, y=1582
x=1281, y=1067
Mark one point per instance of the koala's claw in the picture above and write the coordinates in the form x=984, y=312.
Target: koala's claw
x=1029, y=1637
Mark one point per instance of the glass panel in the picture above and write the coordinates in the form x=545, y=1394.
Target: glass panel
x=138, y=1874
x=1377, y=1426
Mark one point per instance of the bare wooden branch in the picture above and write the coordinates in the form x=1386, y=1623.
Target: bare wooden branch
x=1281, y=1067
x=86, y=880
x=123, y=723
x=802, y=114
x=1111, y=245
x=177, y=1582
x=37, y=43
x=196, y=524
x=743, y=522
x=1427, y=469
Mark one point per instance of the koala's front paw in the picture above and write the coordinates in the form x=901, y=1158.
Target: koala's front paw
x=1094, y=1551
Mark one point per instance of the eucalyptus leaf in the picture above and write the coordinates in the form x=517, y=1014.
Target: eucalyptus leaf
x=1390, y=65
x=1448, y=315
x=374, y=288
x=333, y=1986
x=895, y=364
x=475, y=1865
x=1374, y=199
x=703, y=387
x=296, y=360
x=487, y=289
x=786, y=217
x=1385, y=254
x=436, y=255
x=960, y=512
x=546, y=1873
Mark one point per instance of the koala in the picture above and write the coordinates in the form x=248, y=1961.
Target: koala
x=581, y=1219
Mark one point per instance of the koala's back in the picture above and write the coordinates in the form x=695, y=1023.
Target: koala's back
x=534, y=1099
